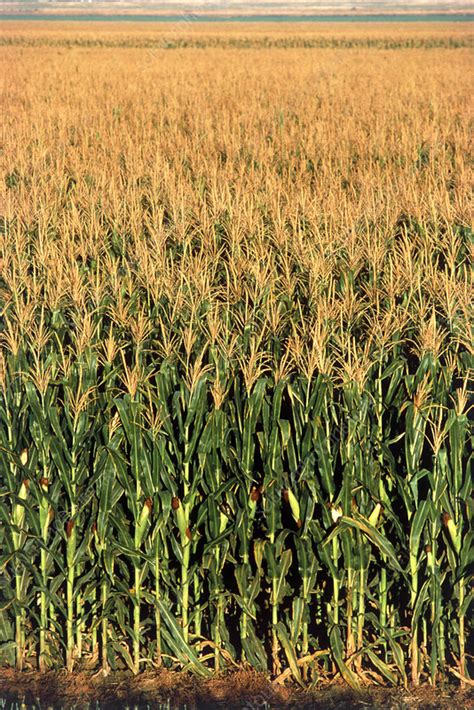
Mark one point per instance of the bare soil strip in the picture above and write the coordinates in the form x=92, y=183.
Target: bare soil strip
x=240, y=689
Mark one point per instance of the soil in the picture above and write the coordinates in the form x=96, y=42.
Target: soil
x=241, y=689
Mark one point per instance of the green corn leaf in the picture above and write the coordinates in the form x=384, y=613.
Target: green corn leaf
x=290, y=653
x=179, y=646
x=382, y=667
x=254, y=650
x=379, y=540
x=416, y=531
x=337, y=650
x=281, y=571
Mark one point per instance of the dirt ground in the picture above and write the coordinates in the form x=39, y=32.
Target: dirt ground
x=241, y=689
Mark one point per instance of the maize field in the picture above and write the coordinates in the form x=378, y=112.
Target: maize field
x=236, y=351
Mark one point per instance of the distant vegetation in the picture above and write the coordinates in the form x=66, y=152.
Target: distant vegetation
x=241, y=42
